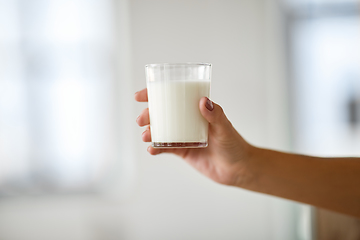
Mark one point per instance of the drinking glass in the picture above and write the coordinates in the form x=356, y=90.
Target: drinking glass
x=174, y=91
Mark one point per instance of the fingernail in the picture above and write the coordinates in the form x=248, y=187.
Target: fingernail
x=148, y=149
x=144, y=132
x=137, y=118
x=136, y=92
x=209, y=104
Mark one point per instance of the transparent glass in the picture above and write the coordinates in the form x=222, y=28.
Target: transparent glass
x=174, y=92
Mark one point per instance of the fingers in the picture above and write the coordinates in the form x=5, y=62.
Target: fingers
x=154, y=151
x=211, y=111
x=143, y=119
x=215, y=115
x=182, y=152
x=141, y=96
x=146, y=135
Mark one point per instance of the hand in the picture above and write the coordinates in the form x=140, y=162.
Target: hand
x=331, y=183
x=226, y=157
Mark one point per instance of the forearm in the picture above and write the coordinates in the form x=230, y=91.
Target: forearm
x=332, y=183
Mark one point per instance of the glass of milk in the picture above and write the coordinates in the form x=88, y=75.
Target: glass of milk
x=174, y=92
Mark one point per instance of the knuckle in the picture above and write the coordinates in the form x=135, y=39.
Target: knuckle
x=221, y=110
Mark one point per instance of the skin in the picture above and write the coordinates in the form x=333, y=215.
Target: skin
x=331, y=183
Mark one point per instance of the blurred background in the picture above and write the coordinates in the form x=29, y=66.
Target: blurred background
x=72, y=164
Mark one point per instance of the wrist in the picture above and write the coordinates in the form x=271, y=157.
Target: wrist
x=247, y=172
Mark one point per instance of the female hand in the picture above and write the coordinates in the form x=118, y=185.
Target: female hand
x=226, y=157
x=331, y=183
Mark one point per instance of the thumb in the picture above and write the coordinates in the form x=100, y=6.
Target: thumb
x=214, y=114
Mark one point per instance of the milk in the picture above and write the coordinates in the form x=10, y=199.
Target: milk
x=174, y=111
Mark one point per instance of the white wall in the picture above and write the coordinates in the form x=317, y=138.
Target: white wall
x=170, y=200
x=242, y=39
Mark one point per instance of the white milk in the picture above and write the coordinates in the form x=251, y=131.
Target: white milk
x=174, y=111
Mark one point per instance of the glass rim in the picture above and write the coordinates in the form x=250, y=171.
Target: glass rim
x=178, y=64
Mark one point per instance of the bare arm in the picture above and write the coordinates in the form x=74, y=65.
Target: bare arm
x=332, y=183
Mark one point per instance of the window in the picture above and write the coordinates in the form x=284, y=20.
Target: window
x=326, y=77
x=324, y=37
x=58, y=95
